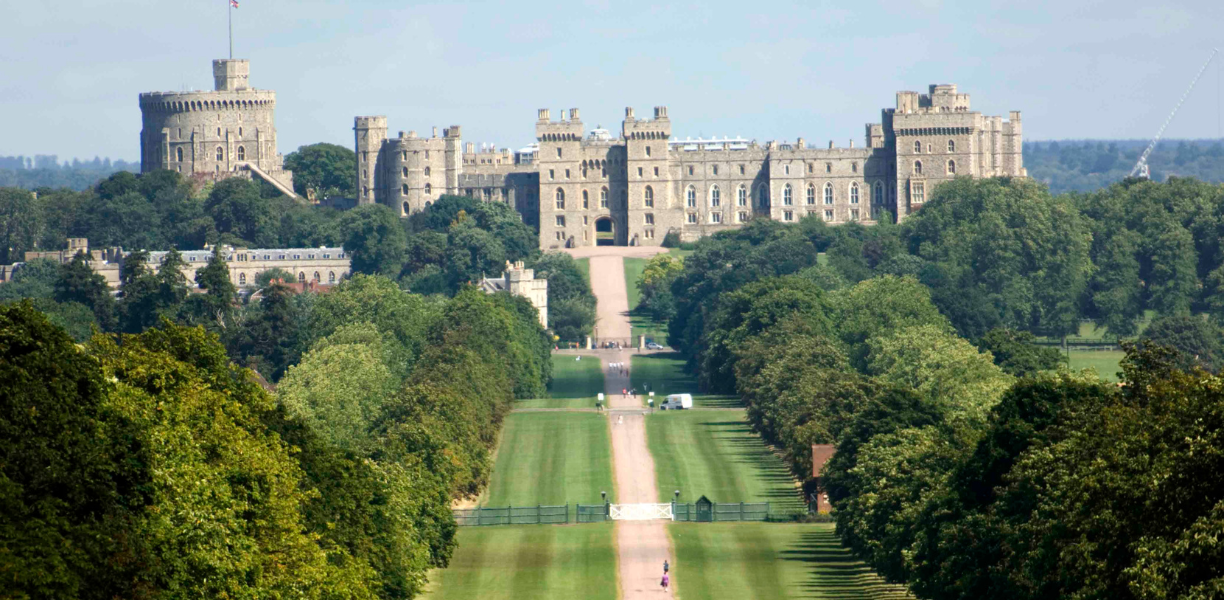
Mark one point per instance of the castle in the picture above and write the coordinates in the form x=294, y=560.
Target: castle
x=212, y=135
x=583, y=188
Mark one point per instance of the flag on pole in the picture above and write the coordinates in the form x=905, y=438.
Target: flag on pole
x=234, y=3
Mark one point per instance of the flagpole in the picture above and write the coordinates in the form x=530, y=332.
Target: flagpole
x=230, y=13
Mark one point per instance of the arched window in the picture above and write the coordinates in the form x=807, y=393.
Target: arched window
x=690, y=197
x=648, y=197
x=951, y=167
x=951, y=145
x=427, y=171
x=918, y=167
x=220, y=153
x=302, y=277
x=317, y=279
x=241, y=153
x=560, y=195
x=242, y=279
x=178, y=153
x=811, y=194
x=828, y=167
x=741, y=196
x=878, y=196
x=603, y=198
x=763, y=195
x=787, y=200
x=404, y=189
x=715, y=197
x=406, y=210
x=404, y=171
x=854, y=192
x=917, y=147
x=428, y=190
x=828, y=193
x=331, y=277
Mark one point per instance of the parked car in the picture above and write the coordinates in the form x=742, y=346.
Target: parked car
x=653, y=346
x=677, y=402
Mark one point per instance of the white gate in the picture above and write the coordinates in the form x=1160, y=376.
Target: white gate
x=640, y=512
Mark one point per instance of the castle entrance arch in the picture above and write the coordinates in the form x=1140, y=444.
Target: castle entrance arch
x=605, y=232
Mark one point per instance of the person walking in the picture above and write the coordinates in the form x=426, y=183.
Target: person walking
x=665, y=582
x=665, y=567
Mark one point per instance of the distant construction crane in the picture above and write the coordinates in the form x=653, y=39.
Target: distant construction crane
x=1141, y=167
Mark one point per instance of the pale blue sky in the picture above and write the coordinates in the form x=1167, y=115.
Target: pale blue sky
x=70, y=71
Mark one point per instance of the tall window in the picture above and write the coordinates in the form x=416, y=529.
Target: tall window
x=786, y=169
x=828, y=167
x=854, y=192
x=428, y=190
x=787, y=200
x=404, y=171
x=220, y=153
x=650, y=218
x=558, y=153
x=647, y=150
x=690, y=197
x=178, y=153
x=917, y=147
x=763, y=196
x=715, y=217
x=586, y=199
x=854, y=167
x=427, y=171
x=918, y=167
x=878, y=196
x=242, y=279
x=692, y=218
x=648, y=197
x=560, y=220
x=404, y=189
x=811, y=194
x=241, y=153
x=741, y=196
x=951, y=167
x=331, y=277
x=560, y=199
x=951, y=145
x=715, y=197
x=828, y=193
x=603, y=198
x=917, y=192
x=302, y=277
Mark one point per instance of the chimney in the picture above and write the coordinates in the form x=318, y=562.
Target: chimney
x=799, y=144
x=628, y=113
x=471, y=148
x=851, y=142
x=544, y=115
x=573, y=114
x=564, y=115
x=435, y=131
x=830, y=144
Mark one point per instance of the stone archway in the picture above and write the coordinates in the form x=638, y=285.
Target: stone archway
x=605, y=231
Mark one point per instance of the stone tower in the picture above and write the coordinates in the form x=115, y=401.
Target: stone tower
x=649, y=175
x=559, y=167
x=369, y=133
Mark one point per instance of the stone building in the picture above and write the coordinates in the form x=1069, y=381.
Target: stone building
x=521, y=281
x=227, y=132
x=582, y=188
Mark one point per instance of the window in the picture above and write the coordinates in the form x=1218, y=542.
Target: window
x=428, y=190
x=567, y=173
x=788, y=215
x=650, y=218
x=218, y=131
x=854, y=193
x=551, y=175
x=741, y=169
x=639, y=171
x=586, y=220
x=302, y=277
x=951, y=145
x=560, y=195
x=603, y=198
x=560, y=235
x=828, y=167
x=406, y=211
x=828, y=216
x=427, y=155
x=811, y=168
x=878, y=196
x=240, y=129
x=404, y=189
x=715, y=197
x=656, y=171
x=741, y=216
x=649, y=234
x=558, y=153
x=586, y=199
x=690, y=197
x=242, y=279
x=403, y=155
x=316, y=277
x=220, y=153
x=364, y=155
x=716, y=169
x=917, y=147
x=648, y=197
x=715, y=217
x=828, y=193
x=854, y=214
x=786, y=169
x=690, y=170
x=178, y=153
x=427, y=171
x=560, y=220
x=331, y=277
x=763, y=196
x=787, y=200
x=951, y=167
x=854, y=167
x=404, y=171
x=692, y=218
x=811, y=194
x=741, y=196
x=917, y=192
x=647, y=150
x=918, y=167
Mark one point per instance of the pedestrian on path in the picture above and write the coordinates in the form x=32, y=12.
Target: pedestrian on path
x=665, y=582
x=665, y=567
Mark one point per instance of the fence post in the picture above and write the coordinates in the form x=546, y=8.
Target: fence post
x=741, y=511
x=538, y=517
x=567, y=513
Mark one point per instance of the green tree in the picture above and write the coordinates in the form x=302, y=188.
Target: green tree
x=655, y=283
x=374, y=240
x=242, y=216
x=878, y=306
x=215, y=307
x=79, y=283
x=265, y=278
x=20, y=221
x=327, y=169
x=35, y=279
x=1015, y=352
x=1196, y=341
x=571, y=305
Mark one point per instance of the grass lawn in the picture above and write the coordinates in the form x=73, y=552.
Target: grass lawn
x=713, y=453
x=1105, y=361
x=769, y=560
x=529, y=561
x=584, y=265
x=642, y=324
x=666, y=374
x=551, y=458
x=575, y=383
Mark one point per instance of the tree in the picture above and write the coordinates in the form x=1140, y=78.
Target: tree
x=1196, y=341
x=571, y=305
x=266, y=278
x=374, y=240
x=20, y=221
x=241, y=215
x=35, y=279
x=216, y=306
x=138, y=288
x=655, y=283
x=1015, y=352
x=79, y=283
x=878, y=306
x=327, y=169
x=472, y=253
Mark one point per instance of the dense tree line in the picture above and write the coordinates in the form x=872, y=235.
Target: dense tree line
x=967, y=466
x=1089, y=165
x=150, y=465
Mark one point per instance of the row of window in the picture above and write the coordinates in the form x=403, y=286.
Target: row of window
x=950, y=168
x=405, y=171
x=931, y=147
x=331, y=277
x=404, y=190
x=240, y=155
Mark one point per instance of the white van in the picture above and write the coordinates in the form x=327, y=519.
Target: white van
x=677, y=402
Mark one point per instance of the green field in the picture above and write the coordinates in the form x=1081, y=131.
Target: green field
x=665, y=374
x=1105, y=361
x=575, y=383
x=584, y=265
x=551, y=458
x=713, y=453
x=529, y=561
x=769, y=560
x=641, y=323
